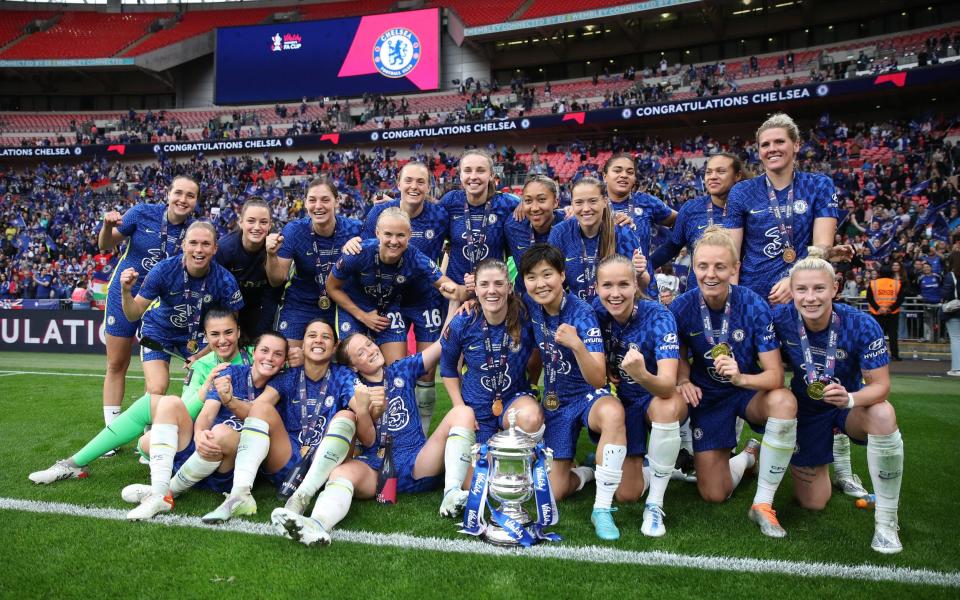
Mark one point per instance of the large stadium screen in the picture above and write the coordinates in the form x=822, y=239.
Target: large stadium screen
x=390, y=53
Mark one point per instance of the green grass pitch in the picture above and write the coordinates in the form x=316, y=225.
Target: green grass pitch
x=44, y=417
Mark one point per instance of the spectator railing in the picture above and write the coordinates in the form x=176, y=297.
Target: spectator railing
x=919, y=320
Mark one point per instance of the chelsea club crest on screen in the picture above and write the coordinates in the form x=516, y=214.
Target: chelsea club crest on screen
x=396, y=52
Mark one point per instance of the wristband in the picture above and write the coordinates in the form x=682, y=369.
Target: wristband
x=849, y=400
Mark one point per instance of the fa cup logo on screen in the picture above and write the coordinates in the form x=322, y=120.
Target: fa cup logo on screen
x=396, y=52
x=289, y=41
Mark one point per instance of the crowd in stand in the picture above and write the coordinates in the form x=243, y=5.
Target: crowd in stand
x=904, y=212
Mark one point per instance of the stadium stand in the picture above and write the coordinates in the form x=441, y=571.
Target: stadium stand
x=83, y=35
x=14, y=21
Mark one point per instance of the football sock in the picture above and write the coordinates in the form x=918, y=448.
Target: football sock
x=885, y=461
x=332, y=450
x=776, y=448
x=110, y=413
x=841, y=456
x=252, y=449
x=456, y=457
x=664, y=448
x=686, y=437
x=333, y=503
x=740, y=424
x=738, y=465
x=426, y=392
x=163, y=445
x=647, y=476
x=584, y=475
x=193, y=471
x=125, y=428
x=608, y=474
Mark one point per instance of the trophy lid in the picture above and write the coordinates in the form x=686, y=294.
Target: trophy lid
x=512, y=438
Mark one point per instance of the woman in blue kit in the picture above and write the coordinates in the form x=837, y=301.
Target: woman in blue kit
x=496, y=342
x=387, y=393
x=841, y=379
x=369, y=286
x=592, y=236
x=539, y=212
x=736, y=371
x=720, y=174
x=203, y=452
x=312, y=245
x=173, y=298
x=640, y=339
x=152, y=232
x=305, y=408
x=646, y=211
x=477, y=216
x=424, y=306
x=774, y=217
x=574, y=380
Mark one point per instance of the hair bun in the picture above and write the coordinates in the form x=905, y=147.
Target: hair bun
x=816, y=252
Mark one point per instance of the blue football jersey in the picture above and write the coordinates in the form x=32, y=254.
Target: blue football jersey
x=401, y=417
x=581, y=254
x=359, y=272
x=260, y=299
x=692, y=219
x=748, y=208
x=428, y=232
x=307, y=249
x=144, y=225
x=570, y=384
x=646, y=211
x=297, y=412
x=860, y=347
x=478, y=385
x=174, y=308
x=751, y=332
x=491, y=241
x=240, y=382
x=651, y=330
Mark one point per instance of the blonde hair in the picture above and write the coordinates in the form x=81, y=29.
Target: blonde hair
x=619, y=259
x=203, y=225
x=718, y=236
x=393, y=212
x=607, y=245
x=781, y=121
x=814, y=261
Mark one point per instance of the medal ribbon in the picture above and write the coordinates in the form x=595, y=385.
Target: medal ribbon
x=783, y=214
x=163, y=236
x=550, y=351
x=589, y=264
x=193, y=325
x=499, y=368
x=611, y=341
x=830, y=361
x=308, y=422
x=479, y=237
x=322, y=267
x=385, y=298
x=708, y=324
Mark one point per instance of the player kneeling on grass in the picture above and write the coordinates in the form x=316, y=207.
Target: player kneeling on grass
x=640, y=338
x=418, y=461
x=567, y=332
x=736, y=371
x=203, y=452
x=303, y=408
x=834, y=349
x=222, y=334
x=495, y=342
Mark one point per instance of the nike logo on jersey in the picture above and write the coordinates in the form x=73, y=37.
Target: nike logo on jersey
x=693, y=333
x=789, y=343
x=148, y=230
x=476, y=347
x=701, y=226
x=757, y=212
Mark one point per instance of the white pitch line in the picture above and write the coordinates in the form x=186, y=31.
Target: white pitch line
x=590, y=554
x=100, y=375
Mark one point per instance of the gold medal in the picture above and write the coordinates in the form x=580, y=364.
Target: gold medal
x=381, y=452
x=720, y=350
x=551, y=401
x=497, y=408
x=815, y=390
x=324, y=302
x=304, y=450
x=193, y=346
x=789, y=254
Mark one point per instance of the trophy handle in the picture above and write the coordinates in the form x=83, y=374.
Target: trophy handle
x=512, y=418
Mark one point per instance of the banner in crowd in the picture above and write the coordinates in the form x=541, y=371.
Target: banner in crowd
x=623, y=116
x=30, y=330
